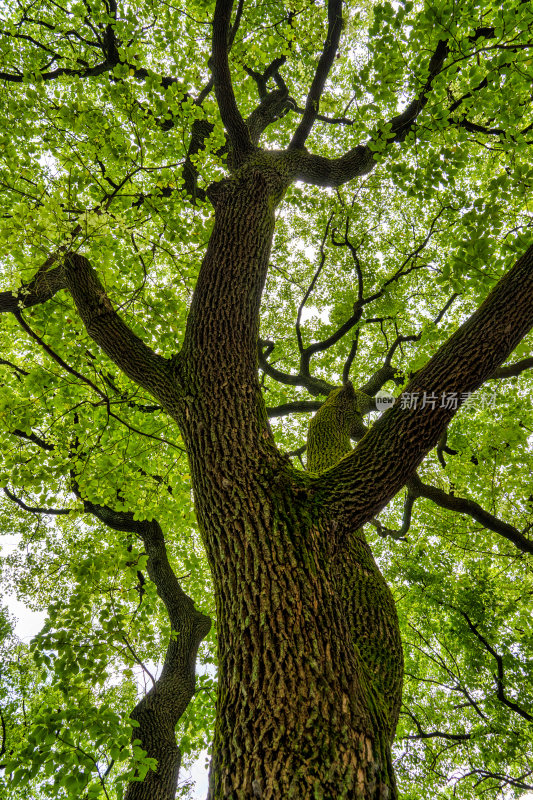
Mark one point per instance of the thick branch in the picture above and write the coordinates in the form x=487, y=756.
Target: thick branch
x=32, y=437
x=315, y=386
x=231, y=116
x=200, y=131
x=360, y=160
x=160, y=709
x=350, y=358
x=322, y=71
x=378, y=380
x=103, y=324
x=322, y=171
x=512, y=370
x=363, y=482
x=262, y=78
x=272, y=107
x=296, y=407
x=47, y=281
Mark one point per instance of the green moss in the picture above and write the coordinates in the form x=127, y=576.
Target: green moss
x=364, y=594
x=328, y=439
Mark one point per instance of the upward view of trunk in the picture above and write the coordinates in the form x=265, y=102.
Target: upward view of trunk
x=302, y=711
x=310, y=663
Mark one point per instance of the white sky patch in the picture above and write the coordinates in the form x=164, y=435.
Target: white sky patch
x=314, y=311
x=29, y=622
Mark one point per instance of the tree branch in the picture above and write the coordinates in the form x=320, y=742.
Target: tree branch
x=262, y=78
x=236, y=127
x=360, y=160
x=325, y=63
x=46, y=282
x=200, y=131
x=454, y=737
x=310, y=289
x=332, y=172
x=317, y=347
x=296, y=407
x=379, y=379
x=35, y=510
x=160, y=709
x=387, y=372
x=402, y=124
x=400, y=534
x=464, y=506
x=32, y=437
x=504, y=780
x=500, y=685
x=18, y=370
x=87, y=72
x=103, y=324
x=351, y=357
x=512, y=370
x=315, y=386
x=364, y=481
x=272, y=107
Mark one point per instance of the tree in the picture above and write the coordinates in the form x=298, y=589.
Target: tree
x=150, y=157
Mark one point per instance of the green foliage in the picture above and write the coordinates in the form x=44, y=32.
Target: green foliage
x=94, y=163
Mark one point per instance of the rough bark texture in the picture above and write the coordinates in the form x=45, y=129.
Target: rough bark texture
x=310, y=662
x=300, y=713
x=309, y=655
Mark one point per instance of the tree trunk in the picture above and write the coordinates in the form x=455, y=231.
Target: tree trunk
x=302, y=710
x=299, y=712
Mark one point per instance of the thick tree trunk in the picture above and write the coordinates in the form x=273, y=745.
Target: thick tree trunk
x=306, y=645
x=299, y=712
x=309, y=657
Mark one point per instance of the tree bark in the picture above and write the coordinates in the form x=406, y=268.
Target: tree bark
x=309, y=652
x=299, y=712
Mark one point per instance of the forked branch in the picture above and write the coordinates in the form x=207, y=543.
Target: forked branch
x=231, y=116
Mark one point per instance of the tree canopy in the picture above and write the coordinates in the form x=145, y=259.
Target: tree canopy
x=403, y=133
